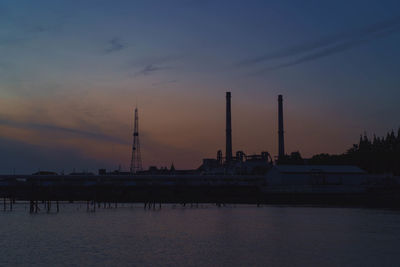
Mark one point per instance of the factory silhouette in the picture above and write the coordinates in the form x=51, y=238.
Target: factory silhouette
x=238, y=164
x=230, y=178
x=380, y=155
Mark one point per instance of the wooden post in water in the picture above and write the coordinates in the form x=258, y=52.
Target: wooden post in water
x=11, y=204
x=5, y=204
x=31, y=206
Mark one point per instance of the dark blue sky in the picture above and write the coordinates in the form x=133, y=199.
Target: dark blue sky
x=72, y=71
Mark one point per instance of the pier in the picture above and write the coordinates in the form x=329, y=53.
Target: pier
x=111, y=190
x=45, y=192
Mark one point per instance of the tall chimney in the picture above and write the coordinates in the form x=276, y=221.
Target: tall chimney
x=228, y=153
x=280, y=131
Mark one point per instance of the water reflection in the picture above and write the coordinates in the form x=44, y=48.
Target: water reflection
x=203, y=236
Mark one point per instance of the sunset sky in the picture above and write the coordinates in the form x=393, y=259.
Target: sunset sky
x=72, y=72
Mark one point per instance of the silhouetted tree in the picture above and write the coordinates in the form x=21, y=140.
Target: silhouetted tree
x=379, y=155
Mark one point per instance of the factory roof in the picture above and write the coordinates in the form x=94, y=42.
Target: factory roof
x=320, y=168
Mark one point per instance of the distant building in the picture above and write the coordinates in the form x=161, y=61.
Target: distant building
x=153, y=170
x=241, y=164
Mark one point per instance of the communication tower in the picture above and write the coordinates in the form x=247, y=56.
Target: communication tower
x=136, y=160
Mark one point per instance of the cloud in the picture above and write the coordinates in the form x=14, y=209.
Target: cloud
x=150, y=69
x=22, y=34
x=151, y=65
x=36, y=29
x=60, y=129
x=327, y=46
x=329, y=51
x=115, y=45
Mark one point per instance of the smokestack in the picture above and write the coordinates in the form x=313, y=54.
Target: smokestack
x=280, y=131
x=228, y=153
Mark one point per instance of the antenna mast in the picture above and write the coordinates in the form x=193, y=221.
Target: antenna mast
x=136, y=160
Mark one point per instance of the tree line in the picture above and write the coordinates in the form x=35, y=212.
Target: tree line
x=377, y=155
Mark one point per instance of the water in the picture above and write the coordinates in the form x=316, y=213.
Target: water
x=204, y=236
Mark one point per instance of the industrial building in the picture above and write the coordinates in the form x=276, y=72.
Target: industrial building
x=240, y=164
x=276, y=174
x=284, y=175
x=281, y=177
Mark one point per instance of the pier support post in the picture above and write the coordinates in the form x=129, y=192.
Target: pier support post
x=31, y=206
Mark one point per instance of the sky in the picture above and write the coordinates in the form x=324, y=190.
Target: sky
x=72, y=72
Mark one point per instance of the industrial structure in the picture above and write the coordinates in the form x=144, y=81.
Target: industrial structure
x=281, y=139
x=240, y=164
x=136, y=160
x=228, y=153
x=231, y=179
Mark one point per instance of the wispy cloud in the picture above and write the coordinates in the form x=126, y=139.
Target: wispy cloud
x=325, y=47
x=115, y=45
x=36, y=29
x=60, y=129
x=152, y=65
x=328, y=51
x=150, y=69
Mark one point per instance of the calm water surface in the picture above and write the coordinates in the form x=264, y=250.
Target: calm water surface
x=204, y=236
